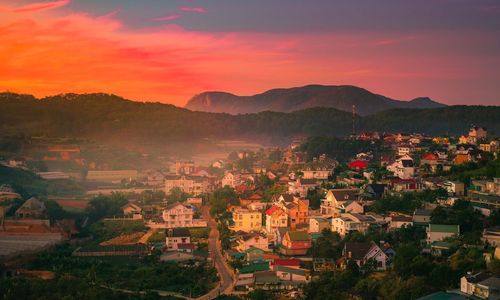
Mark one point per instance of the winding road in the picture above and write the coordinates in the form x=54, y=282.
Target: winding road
x=226, y=274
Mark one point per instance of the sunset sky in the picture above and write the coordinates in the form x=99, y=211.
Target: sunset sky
x=167, y=51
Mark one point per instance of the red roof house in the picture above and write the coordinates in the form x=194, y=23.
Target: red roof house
x=358, y=165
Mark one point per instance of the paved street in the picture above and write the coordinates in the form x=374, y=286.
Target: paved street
x=214, y=246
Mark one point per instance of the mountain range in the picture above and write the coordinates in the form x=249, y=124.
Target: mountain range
x=341, y=97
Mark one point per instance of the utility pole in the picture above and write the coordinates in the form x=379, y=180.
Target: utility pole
x=354, y=121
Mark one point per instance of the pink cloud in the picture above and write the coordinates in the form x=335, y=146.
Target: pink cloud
x=46, y=54
x=41, y=6
x=194, y=9
x=167, y=18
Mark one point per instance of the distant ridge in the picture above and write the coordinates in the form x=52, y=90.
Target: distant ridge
x=112, y=119
x=341, y=97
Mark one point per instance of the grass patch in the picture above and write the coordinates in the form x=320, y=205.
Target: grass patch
x=158, y=237
x=108, y=229
x=199, y=233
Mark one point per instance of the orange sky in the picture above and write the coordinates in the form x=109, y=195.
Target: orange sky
x=45, y=51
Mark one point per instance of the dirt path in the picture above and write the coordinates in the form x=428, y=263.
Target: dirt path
x=144, y=239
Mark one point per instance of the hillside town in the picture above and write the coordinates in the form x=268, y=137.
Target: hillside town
x=372, y=216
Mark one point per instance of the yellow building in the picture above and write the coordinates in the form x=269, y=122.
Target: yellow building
x=247, y=220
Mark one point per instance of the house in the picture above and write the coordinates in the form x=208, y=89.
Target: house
x=405, y=185
x=155, y=178
x=347, y=223
x=296, y=208
x=454, y=188
x=178, y=239
x=279, y=234
x=438, y=232
x=32, y=208
x=292, y=274
x=349, y=207
x=275, y=218
x=295, y=243
x=492, y=236
x=491, y=187
x=219, y=164
x=131, y=209
x=256, y=240
x=285, y=262
x=246, y=220
x=358, y=165
x=476, y=134
x=400, y=221
x=422, y=216
x=252, y=199
x=318, y=170
x=8, y=193
x=374, y=191
x=336, y=197
x=318, y=224
x=403, y=149
x=266, y=280
x=254, y=254
x=362, y=253
x=438, y=248
x=433, y=183
x=430, y=161
x=491, y=147
x=231, y=179
x=259, y=206
x=462, y=158
x=181, y=215
x=403, y=167
x=194, y=185
x=480, y=285
x=184, y=167
x=301, y=186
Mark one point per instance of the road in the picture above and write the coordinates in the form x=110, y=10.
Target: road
x=214, y=246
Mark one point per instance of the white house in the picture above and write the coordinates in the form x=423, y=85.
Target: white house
x=362, y=253
x=288, y=274
x=403, y=167
x=231, y=179
x=347, y=223
x=178, y=239
x=181, y=215
x=194, y=185
x=335, y=198
x=318, y=224
x=257, y=240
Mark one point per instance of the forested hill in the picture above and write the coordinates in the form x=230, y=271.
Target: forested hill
x=107, y=117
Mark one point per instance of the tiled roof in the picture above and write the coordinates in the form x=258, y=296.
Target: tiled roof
x=178, y=232
x=357, y=251
x=286, y=269
x=298, y=236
